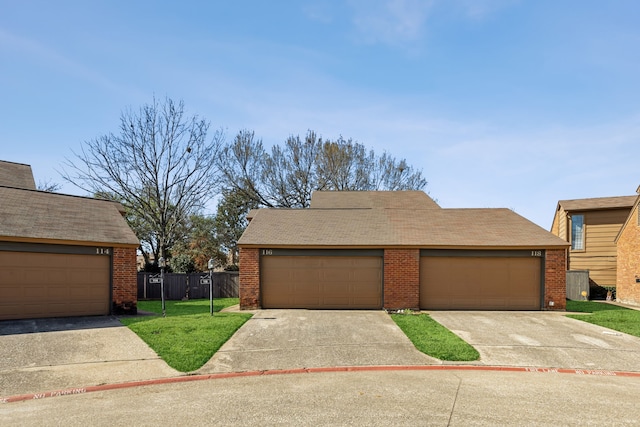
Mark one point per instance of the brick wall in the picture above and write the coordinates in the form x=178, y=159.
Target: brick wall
x=628, y=248
x=555, y=279
x=249, y=278
x=125, y=285
x=401, y=278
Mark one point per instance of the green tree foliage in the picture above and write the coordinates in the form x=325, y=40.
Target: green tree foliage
x=160, y=166
x=200, y=243
x=286, y=176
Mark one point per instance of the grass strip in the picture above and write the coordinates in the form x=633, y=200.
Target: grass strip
x=188, y=336
x=433, y=339
x=610, y=316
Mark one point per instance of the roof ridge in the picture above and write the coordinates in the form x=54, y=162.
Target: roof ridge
x=57, y=194
x=601, y=197
x=118, y=204
x=15, y=163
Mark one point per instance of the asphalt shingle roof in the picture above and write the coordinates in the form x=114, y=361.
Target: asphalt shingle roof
x=372, y=199
x=30, y=214
x=424, y=228
x=16, y=175
x=598, y=203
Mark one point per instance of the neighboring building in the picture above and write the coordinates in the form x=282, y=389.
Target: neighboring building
x=591, y=226
x=16, y=175
x=62, y=255
x=397, y=250
x=628, y=262
x=141, y=263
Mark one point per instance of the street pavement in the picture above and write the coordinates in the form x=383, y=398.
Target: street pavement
x=368, y=398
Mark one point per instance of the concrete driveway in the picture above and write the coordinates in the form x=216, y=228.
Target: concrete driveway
x=287, y=339
x=53, y=354
x=46, y=354
x=542, y=339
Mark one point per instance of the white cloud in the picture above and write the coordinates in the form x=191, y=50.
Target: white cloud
x=319, y=11
x=404, y=23
x=390, y=22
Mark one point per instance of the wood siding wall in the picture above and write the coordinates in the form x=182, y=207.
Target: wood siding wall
x=562, y=225
x=600, y=253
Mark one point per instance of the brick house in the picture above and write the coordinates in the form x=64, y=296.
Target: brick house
x=628, y=257
x=591, y=226
x=62, y=255
x=396, y=250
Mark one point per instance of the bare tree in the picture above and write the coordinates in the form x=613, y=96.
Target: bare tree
x=48, y=186
x=160, y=166
x=231, y=220
x=288, y=175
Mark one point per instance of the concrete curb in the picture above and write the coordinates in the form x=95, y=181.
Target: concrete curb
x=189, y=378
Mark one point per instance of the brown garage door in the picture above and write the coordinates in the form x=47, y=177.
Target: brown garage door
x=479, y=283
x=321, y=282
x=36, y=285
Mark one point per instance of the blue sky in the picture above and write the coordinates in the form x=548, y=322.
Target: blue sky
x=501, y=103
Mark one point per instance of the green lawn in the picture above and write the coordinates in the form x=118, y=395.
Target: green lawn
x=433, y=339
x=608, y=315
x=188, y=337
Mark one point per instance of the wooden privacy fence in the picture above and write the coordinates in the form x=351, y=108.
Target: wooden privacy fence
x=577, y=283
x=188, y=286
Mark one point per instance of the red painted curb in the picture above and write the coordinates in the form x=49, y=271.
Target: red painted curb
x=188, y=378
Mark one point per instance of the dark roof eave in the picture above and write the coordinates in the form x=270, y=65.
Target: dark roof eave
x=18, y=239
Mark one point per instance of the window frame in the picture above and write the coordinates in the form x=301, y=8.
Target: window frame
x=583, y=231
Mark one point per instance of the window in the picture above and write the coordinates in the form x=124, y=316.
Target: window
x=577, y=232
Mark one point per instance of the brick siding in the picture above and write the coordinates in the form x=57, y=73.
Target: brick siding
x=555, y=279
x=249, y=278
x=401, y=278
x=627, y=289
x=125, y=281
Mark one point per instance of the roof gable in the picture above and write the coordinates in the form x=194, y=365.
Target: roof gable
x=630, y=218
x=30, y=214
x=16, y=175
x=597, y=203
x=372, y=199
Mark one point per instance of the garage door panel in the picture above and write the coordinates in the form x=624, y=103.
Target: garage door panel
x=367, y=275
x=329, y=282
x=48, y=285
x=499, y=283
